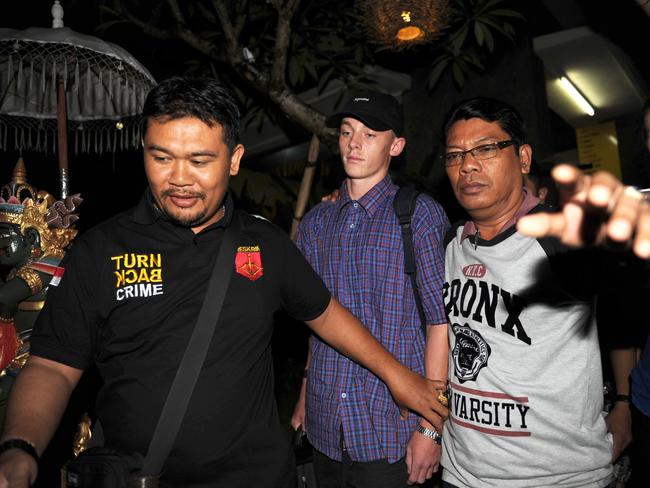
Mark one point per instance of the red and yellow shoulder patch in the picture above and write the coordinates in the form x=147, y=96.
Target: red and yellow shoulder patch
x=248, y=262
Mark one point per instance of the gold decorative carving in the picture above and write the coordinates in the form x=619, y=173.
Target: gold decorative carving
x=31, y=306
x=32, y=279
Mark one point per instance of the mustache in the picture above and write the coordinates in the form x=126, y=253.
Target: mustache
x=183, y=193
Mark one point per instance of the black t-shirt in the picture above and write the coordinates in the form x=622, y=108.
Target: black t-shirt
x=128, y=302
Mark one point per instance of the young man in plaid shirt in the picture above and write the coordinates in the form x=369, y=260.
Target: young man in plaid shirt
x=355, y=245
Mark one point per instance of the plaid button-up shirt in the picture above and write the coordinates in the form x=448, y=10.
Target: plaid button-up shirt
x=356, y=247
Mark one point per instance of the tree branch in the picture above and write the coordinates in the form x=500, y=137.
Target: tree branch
x=176, y=12
x=282, y=41
x=277, y=92
x=240, y=20
x=232, y=40
x=208, y=14
x=146, y=27
x=190, y=38
x=302, y=114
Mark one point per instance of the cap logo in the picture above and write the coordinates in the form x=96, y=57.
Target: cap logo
x=361, y=99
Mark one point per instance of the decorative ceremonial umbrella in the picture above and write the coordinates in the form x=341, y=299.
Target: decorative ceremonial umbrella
x=55, y=80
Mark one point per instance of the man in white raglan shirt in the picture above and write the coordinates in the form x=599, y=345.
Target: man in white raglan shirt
x=525, y=368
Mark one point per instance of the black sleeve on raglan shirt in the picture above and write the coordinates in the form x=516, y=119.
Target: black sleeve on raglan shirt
x=66, y=329
x=304, y=295
x=618, y=279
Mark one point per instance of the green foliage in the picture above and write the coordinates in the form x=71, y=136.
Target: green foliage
x=471, y=37
x=327, y=42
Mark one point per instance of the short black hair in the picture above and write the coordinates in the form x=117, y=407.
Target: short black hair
x=490, y=110
x=203, y=98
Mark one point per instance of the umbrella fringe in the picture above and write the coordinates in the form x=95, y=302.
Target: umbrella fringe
x=44, y=138
x=76, y=79
x=88, y=84
x=19, y=78
x=43, y=78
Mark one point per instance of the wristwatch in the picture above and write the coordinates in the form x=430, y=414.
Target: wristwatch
x=431, y=434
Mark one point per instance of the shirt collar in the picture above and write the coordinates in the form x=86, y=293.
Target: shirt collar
x=530, y=201
x=373, y=199
x=146, y=212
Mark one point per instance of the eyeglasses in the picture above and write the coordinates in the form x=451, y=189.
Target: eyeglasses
x=480, y=153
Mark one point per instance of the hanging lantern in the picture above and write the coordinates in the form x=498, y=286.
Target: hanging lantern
x=400, y=24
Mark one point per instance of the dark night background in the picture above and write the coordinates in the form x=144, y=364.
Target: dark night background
x=114, y=182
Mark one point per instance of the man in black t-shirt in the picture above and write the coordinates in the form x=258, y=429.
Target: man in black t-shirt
x=129, y=299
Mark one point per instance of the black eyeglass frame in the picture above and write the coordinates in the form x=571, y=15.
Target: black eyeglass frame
x=497, y=145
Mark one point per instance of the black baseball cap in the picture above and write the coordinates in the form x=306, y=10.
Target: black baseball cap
x=379, y=111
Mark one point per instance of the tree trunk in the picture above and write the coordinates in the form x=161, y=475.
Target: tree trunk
x=305, y=185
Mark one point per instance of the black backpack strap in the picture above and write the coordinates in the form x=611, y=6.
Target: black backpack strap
x=404, y=205
x=190, y=366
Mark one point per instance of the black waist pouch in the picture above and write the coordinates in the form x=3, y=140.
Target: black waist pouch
x=104, y=467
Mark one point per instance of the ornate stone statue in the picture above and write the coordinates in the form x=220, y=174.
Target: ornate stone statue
x=35, y=230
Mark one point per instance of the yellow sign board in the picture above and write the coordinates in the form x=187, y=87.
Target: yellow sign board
x=598, y=147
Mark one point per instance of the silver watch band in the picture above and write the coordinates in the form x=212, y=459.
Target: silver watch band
x=431, y=434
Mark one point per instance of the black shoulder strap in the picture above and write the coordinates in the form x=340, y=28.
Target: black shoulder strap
x=404, y=205
x=188, y=371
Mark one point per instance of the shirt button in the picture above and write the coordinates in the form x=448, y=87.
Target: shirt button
x=351, y=226
x=344, y=395
x=355, y=205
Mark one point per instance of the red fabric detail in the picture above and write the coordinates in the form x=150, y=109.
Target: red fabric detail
x=47, y=268
x=8, y=343
x=249, y=264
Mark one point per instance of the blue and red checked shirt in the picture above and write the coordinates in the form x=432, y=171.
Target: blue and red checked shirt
x=356, y=247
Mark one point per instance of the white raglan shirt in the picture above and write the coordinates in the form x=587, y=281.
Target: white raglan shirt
x=527, y=397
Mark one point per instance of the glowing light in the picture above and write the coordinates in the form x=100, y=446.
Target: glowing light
x=409, y=33
x=407, y=23
x=577, y=97
x=119, y=125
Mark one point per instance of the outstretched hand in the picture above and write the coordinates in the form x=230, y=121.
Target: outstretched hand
x=421, y=395
x=594, y=209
